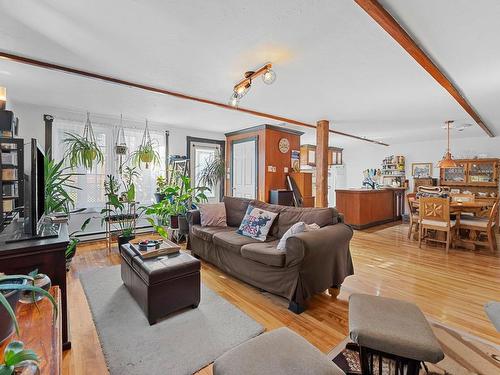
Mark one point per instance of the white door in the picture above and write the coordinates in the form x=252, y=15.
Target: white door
x=201, y=155
x=244, y=168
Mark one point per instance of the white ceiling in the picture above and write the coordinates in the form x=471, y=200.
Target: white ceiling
x=331, y=59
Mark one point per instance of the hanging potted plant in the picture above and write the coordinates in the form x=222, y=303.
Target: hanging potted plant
x=83, y=150
x=120, y=144
x=147, y=152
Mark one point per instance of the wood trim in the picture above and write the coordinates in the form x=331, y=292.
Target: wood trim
x=394, y=29
x=322, y=163
x=118, y=81
x=48, y=120
x=264, y=127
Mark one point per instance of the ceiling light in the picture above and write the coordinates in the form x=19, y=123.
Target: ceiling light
x=242, y=87
x=234, y=100
x=269, y=77
x=447, y=161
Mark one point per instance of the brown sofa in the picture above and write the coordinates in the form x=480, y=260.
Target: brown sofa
x=311, y=263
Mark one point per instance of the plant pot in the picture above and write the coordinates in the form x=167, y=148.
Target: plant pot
x=27, y=368
x=6, y=323
x=183, y=225
x=174, y=221
x=159, y=197
x=41, y=281
x=122, y=239
x=147, y=156
x=121, y=149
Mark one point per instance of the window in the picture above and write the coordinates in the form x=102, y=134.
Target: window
x=92, y=194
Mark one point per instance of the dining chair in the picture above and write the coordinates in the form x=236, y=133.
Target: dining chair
x=410, y=199
x=480, y=228
x=434, y=214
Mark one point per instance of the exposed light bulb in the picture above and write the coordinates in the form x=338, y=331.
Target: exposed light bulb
x=269, y=77
x=234, y=100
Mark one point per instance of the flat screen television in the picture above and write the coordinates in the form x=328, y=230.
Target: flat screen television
x=34, y=225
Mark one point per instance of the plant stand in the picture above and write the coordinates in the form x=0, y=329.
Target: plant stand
x=112, y=221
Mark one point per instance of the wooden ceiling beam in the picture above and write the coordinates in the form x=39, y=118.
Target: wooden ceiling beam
x=376, y=11
x=118, y=81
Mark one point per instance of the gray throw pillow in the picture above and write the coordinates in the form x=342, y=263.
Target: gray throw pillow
x=212, y=214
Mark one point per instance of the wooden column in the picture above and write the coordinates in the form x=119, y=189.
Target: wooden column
x=322, y=132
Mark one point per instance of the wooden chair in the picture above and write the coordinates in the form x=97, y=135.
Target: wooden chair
x=434, y=214
x=413, y=215
x=479, y=228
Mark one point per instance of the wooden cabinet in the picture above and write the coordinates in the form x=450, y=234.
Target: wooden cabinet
x=303, y=180
x=471, y=172
x=308, y=155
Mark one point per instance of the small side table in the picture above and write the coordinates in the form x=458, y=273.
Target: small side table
x=40, y=333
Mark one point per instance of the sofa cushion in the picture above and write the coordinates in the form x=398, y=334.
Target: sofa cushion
x=212, y=214
x=265, y=253
x=206, y=233
x=231, y=240
x=291, y=215
x=235, y=210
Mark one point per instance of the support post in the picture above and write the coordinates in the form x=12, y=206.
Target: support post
x=322, y=132
x=48, y=119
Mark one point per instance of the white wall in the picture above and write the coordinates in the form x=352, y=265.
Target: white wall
x=366, y=155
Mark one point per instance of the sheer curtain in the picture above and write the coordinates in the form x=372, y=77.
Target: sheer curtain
x=92, y=195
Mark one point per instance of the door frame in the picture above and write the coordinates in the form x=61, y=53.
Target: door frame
x=190, y=140
x=243, y=140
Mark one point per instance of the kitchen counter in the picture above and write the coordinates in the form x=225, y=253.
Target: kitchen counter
x=364, y=208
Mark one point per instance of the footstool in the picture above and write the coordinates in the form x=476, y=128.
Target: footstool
x=161, y=285
x=279, y=352
x=388, y=329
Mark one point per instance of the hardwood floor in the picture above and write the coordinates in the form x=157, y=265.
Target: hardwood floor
x=449, y=288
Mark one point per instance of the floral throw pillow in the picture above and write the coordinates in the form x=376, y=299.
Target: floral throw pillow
x=256, y=223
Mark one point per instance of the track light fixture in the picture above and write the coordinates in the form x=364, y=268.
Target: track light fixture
x=242, y=87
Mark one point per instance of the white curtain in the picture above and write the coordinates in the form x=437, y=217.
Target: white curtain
x=91, y=196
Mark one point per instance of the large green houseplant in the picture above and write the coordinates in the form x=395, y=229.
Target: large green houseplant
x=58, y=180
x=83, y=150
x=178, y=200
x=213, y=171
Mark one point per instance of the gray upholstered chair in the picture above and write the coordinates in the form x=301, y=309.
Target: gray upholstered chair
x=388, y=330
x=279, y=352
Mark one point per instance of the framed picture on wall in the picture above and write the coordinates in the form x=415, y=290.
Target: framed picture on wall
x=421, y=170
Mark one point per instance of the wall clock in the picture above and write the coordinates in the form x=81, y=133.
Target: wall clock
x=284, y=145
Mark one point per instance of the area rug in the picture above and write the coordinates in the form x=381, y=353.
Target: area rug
x=464, y=355
x=182, y=343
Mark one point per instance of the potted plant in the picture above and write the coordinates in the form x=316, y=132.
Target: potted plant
x=120, y=208
x=57, y=182
x=182, y=197
x=73, y=242
x=83, y=150
x=214, y=171
x=161, y=184
x=10, y=289
x=147, y=152
x=16, y=359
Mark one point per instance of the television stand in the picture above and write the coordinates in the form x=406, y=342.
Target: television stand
x=45, y=254
x=45, y=230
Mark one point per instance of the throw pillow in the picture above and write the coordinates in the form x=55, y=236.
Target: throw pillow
x=213, y=214
x=256, y=223
x=294, y=229
x=311, y=227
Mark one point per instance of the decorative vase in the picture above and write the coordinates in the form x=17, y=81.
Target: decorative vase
x=41, y=281
x=183, y=225
x=27, y=368
x=6, y=323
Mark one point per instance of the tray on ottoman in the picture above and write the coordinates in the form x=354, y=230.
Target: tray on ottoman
x=161, y=285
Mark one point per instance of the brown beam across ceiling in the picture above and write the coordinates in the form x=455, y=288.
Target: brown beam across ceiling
x=392, y=27
x=66, y=69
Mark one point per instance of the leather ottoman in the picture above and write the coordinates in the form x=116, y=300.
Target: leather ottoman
x=161, y=285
